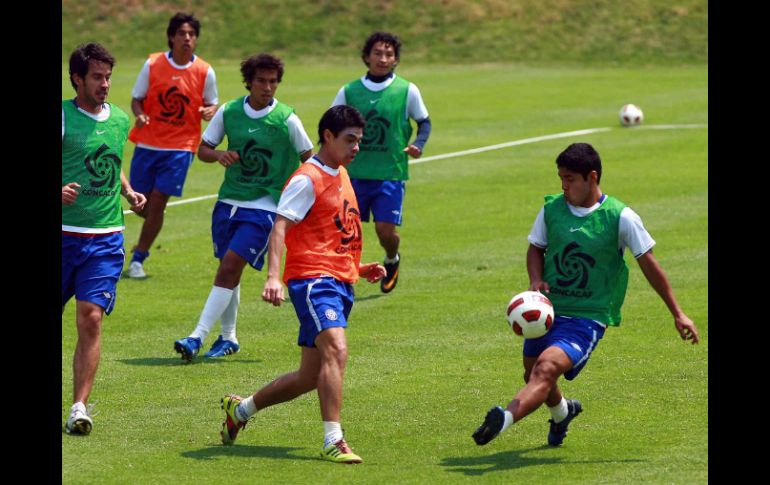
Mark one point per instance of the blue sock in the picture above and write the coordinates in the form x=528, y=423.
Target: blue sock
x=140, y=256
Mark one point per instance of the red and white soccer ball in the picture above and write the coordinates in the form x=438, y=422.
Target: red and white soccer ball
x=630, y=115
x=530, y=314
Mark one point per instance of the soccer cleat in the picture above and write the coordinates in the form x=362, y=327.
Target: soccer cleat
x=388, y=283
x=136, y=270
x=558, y=431
x=221, y=348
x=232, y=424
x=79, y=423
x=340, y=452
x=188, y=347
x=491, y=427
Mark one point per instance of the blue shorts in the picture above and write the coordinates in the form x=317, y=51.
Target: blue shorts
x=90, y=268
x=244, y=231
x=320, y=303
x=384, y=198
x=576, y=336
x=160, y=169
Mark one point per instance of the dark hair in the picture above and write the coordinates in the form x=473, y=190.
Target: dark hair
x=581, y=158
x=177, y=20
x=250, y=66
x=81, y=57
x=385, y=37
x=337, y=118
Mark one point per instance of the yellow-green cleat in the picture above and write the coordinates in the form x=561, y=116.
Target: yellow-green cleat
x=232, y=424
x=340, y=452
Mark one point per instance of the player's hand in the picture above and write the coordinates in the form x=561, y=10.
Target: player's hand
x=137, y=201
x=373, y=272
x=540, y=286
x=142, y=119
x=227, y=158
x=208, y=112
x=273, y=291
x=686, y=328
x=413, y=151
x=69, y=193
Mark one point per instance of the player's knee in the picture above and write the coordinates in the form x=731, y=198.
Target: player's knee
x=89, y=323
x=545, y=370
x=337, y=352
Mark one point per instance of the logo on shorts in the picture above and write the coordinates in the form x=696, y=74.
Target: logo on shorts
x=107, y=295
x=330, y=314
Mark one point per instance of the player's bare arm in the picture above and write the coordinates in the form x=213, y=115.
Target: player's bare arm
x=535, y=263
x=208, y=111
x=137, y=108
x=273, y=291
x=136, y=199
x=207, y=153
x=658, y=280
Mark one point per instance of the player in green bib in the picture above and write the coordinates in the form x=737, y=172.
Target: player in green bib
x=381, y=168
x=576, y=258
x=93, y=135
x=266, y=142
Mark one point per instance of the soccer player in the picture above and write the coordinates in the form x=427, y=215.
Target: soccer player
x=93, y=133
x=575, y=257
x=173, y=91
x=266, y=142
x=318, y=220
x=380, y=170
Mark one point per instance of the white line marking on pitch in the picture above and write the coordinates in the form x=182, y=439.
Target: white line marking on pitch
x=472, y=151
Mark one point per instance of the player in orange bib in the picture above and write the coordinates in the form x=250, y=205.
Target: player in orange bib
x=318, y=220
x=173, y=92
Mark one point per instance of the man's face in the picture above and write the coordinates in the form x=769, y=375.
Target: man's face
x=93, y=89
x=381, y=59
x=344, y=146
x=577, y=190
x=184, y=39
x=263, y=86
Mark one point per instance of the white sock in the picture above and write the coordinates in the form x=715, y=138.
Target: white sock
x=391, y=261
x=508, y=420
x=215, y=305
x=246, y=409
x=332, y=432
x=78, y=405
x=230, y=316
x=560, y=411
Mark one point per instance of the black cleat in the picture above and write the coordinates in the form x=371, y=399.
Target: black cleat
x=559, y=430
x=493, y=424
x=388, y=283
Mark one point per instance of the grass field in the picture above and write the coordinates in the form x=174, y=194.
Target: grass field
x=429, y=359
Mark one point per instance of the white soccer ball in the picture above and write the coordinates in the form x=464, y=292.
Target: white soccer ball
x=530, y=314
x=630, y=115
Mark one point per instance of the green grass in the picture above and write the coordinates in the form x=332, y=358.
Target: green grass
x=461, y=31
x=429, y=359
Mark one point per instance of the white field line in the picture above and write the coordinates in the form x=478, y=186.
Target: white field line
x=472, y=151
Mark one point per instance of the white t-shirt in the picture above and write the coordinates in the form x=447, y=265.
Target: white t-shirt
x=298, y=196
x=415, y=107
x=632, y=234
x=142, y=85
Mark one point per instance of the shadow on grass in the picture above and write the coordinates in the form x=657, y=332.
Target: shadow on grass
x=370, y=297
x=246, y=451
x=176, y=361
x=512, y=459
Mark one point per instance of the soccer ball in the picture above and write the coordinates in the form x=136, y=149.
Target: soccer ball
x=630, y=115
x=530, y=314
